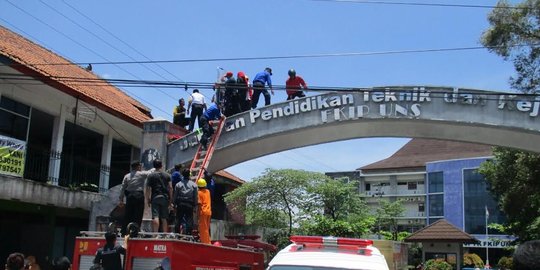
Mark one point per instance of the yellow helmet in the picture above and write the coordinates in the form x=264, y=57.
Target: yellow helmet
x=201, y=183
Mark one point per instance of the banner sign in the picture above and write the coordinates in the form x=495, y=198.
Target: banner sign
x=12, y=152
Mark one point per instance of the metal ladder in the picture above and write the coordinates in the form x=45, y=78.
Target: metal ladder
x=203, y=156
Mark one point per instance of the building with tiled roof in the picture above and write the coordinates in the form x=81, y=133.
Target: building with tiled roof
x=441, y=231
x=442, y=240
x=31, y=60
x=435, y=180
x=416, y=153
x=70, y=136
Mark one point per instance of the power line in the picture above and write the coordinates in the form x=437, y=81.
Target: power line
x=29, y=80
x=322, y=55
x=82, y=45
x=117, y=38
x=420, y=4
x=104, y=41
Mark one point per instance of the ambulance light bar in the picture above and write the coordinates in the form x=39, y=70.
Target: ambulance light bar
x=331, y=241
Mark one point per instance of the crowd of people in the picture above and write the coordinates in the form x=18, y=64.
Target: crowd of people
x=167, y=195
x=236, y=95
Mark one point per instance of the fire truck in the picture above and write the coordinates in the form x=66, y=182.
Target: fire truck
x=169, y=251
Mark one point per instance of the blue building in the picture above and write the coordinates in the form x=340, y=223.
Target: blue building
x=436, y=179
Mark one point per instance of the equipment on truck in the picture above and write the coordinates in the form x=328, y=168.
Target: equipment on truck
x=169, y=252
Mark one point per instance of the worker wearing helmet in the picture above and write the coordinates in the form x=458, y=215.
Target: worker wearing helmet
x=294, y=84
x=204, y=211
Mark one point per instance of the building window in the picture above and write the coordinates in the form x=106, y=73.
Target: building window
x=436, y=205
x=476, y=199
x=421, y=208
x=435, y=182
x=368, y=187
x=14, y=117
x=411, y=186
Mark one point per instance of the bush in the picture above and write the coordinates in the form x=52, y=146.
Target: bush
x=437, y=264
x=472, y=260
x=505, y=263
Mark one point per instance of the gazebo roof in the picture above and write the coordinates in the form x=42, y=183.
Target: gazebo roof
x=441, y=231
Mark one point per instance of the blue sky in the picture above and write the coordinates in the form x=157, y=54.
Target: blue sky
x=174, y=29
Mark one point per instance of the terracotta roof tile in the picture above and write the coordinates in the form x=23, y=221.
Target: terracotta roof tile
x=441, y=231
x=230, y=176
x=26, y=54
x=417, y=152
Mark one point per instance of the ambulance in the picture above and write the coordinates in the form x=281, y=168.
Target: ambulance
x=328, y=253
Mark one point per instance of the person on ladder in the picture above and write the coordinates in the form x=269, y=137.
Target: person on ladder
x=211, y=114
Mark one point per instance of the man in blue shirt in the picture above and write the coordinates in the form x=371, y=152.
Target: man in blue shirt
x=211, y=114
x=262, y=78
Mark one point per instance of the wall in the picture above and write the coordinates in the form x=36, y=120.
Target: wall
x=453, y=186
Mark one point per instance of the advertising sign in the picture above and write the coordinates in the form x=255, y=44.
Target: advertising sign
x=12, y=152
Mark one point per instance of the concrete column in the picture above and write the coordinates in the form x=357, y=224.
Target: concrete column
x=105, y=169
x=154, y=146
x=154, y=142
x=57, y=142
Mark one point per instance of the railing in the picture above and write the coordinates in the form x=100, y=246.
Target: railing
x=75, y=172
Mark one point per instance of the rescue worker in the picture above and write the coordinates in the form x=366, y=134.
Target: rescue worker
x=133, y=190
x=185, y=202
x=244, y=97
x=108, y=257
x=204, y=211
x=159, y=196
x=262, y=78
x=197, y=105
x=213, y=113
x=232, y=104
x=179, y=114
x=294, y=84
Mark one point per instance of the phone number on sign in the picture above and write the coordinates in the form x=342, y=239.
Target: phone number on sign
x=10, y=169
x=10, y=161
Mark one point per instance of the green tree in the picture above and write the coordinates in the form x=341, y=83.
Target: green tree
x=336, y=209
x=279, y=195
x=387, y=214
x=514, y=34
x=513, y=178
x=337, y=199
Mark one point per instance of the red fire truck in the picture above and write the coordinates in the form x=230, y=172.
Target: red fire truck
x=175, y=254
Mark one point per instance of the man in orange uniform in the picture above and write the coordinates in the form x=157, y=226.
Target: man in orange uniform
x=204, y=211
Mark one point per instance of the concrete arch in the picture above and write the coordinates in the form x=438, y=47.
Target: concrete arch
x=467, y=115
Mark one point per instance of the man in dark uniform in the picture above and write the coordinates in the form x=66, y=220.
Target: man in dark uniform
x=108, y=257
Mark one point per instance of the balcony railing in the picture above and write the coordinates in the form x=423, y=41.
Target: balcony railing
x=75, y=172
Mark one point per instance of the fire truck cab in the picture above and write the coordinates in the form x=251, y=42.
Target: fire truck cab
x=328, y=253
x=170, y=253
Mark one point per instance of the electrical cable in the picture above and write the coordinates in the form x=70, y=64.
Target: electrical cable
x=106, y=42
x=201, y=85
x=117, y=38
x=420, y=4
x=82, y=45
x=300, y=56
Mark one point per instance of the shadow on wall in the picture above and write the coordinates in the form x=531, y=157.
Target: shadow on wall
x=104, y=207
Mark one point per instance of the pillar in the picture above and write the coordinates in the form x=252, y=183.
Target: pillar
x=57, y=142
x=105, y=168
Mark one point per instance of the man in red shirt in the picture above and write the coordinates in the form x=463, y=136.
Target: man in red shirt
x=294, y=85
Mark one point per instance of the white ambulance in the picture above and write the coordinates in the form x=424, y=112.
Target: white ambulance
x=328, y=253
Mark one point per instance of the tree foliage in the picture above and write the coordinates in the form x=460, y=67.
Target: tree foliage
x=514, y=180
x=472, y=259
x=387, y=214
x=279, y=195
x=514, y=34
